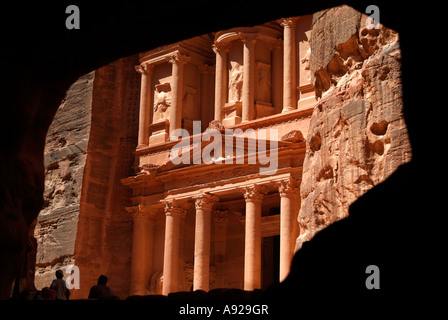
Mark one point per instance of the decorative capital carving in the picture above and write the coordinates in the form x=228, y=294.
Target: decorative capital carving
x=175, y=208
x=143, y=212
x=205, y=201
x=177, y=57
x=253, y=193
x=248, y=37
x=275, y=44
x=288, y=187
x=288, y=22
x=144, y=68
x=218, y=47
x=206, y=69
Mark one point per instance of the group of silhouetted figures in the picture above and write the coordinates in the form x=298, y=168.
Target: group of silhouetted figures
x=58, y=290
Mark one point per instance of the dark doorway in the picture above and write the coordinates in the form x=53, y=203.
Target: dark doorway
x=270, y=258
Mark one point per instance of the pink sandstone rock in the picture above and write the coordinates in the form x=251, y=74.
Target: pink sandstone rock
x=357, y=134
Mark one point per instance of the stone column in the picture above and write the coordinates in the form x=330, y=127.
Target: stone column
x=173, y=212
x=252, y=254
x=220, y=78
x=207, y=113
x=277, y=75
x=145, y=104
x=202, y=241
x=142, y=243
x=288, y=191
x=247, y=95
x=289, y=65
x=177, y=60
x=221, y=221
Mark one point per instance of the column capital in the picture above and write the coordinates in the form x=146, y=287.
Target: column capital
x=275, y=44
x=144, y=68
x=178, y=58
x=288, y=22
x=175, y=208
x=206, y=69
x=253, y=193
x=248, y=37
x=143, y=212
x=219, y=47
x=205, y=201
x=288, y=187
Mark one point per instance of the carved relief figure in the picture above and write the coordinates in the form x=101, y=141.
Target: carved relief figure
x=306, y=64
x=235, y=81
x=162, y=100
x=263, y=82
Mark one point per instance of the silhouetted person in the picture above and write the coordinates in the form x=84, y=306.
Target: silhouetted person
x=59, y=285
x=101, y=290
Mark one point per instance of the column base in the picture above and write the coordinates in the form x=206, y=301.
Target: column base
x=159, y=132
x=232, y=113
x=288, y=109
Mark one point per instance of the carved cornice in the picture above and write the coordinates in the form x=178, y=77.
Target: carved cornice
x=178, y=58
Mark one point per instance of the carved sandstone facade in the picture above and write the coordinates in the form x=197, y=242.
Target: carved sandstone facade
x=221, y=220
x=156, y=224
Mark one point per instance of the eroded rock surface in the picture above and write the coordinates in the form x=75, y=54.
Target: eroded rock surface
x=357, y=136
x=64, y=159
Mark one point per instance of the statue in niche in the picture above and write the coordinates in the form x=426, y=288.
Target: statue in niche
x=162, y=100
x=235, y=81
x=263, y=82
